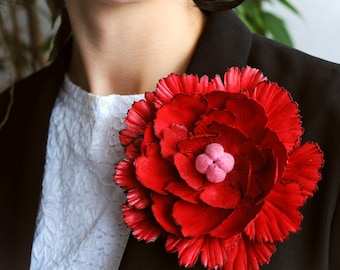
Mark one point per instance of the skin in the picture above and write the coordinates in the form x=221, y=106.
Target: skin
x=126, y=46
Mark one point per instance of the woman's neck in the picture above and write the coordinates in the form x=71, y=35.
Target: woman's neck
x=127, y=48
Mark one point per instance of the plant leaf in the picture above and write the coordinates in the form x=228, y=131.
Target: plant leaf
x=277, y=28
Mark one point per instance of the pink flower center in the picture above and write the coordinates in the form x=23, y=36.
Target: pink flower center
x=214, y=163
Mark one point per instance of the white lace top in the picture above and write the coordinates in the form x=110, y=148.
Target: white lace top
x=79, y=225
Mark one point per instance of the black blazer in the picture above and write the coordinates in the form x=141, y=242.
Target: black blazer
x=313, y=83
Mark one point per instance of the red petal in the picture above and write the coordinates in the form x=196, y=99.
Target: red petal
x=153, y=171
x=148, y=137
x=214, y=251
x=125, y=175
x=230, y=138
x=142, y=223
x=261, y=179
x=184, y=110
x=236, y=222
x=272, y=143
x=162, y=209
x=250, y=153
x=196, y=145
x=250, y=117
x=218, y=99
x=140, y=114
x=183, y=191
x=132, y=150
x=174, y=84
x=185, y=165
x=188, y=249
x=303, y=166
x=279, y=215
x=282, y=112
x=220, y=195
x=235, y=80
x=222, y=117
x=171, y=137
x=197, y=219
x=137, y=195
x=248, y=255
x=138, y=198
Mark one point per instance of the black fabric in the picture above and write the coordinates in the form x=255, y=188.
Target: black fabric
x=313, y=83
x=22, y=158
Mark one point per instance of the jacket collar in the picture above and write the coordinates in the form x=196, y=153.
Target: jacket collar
x=225, y=42
x=43, y=96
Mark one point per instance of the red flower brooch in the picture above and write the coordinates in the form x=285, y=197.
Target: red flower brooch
x=217, y=168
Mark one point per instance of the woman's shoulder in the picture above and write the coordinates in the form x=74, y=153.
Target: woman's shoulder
x=292, y=66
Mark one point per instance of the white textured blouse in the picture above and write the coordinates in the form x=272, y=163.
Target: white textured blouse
x=79, y=224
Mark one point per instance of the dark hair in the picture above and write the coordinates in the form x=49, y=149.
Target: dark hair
x=217, y=5
x=206, y=5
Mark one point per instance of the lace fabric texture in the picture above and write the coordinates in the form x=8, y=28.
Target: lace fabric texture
x=79, y=224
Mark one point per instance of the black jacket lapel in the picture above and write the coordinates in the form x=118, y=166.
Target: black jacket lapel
x=34, y=161
x=225, y=42
x=23, y=148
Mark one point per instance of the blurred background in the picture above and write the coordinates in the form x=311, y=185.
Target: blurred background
x=28, y=27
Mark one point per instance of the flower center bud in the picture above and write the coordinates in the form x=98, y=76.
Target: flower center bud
x=214, y=163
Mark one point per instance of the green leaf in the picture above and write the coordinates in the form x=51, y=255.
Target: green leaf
x=290, y=6
x=277, y=28
x=251, y=13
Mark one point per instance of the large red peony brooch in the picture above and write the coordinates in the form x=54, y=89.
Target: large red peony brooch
x=217, y=168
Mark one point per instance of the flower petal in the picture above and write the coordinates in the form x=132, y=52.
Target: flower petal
x=184, y=110
x=250, y=117
x=220, y=195
x=197, y=219
x=171, y=137
x=183, y=191
x=282, y=112
x=222, y=117
x=214, y=254
x=125, y=177
x=153, y=171
x=229, y=137
x=236, y=221
x=218, y=99
x=132, y=150
x=236, y=80
x=280, y=214
x=185, y=164
x=138, y=198
x=215, y=251
x=162, y=209
x=303, y=166
x=143, y=224
x=263, y=174
x=188, y=249
x=140, y=114
x=248, y=254
x=272, y=143
x=175, y=84
x=148, y=138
